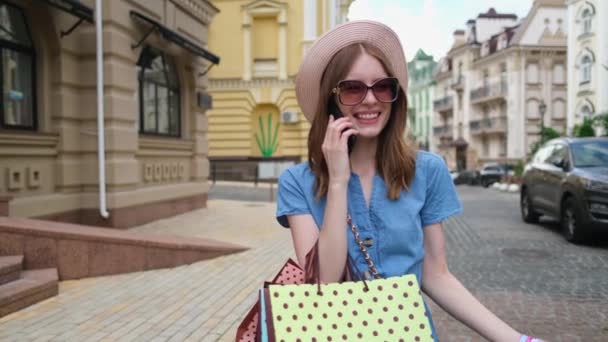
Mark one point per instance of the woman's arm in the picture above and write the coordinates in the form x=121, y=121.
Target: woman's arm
x=452, y=296
x=332, y=237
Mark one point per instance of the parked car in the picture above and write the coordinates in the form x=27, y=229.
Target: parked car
x=493, y=172
x=469, y=177
x=568, y=179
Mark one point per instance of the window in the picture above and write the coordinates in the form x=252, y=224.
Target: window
x=586, y=111
x=18, y=73
x=159, y=94
x=586, y=65
x=559, y=72
x=586, y=17
x=532, y=73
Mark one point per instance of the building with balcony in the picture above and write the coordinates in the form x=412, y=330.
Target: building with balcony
x=587, y=60
x=154, y=160
x=499, y=79
x=255, y=113
x=420, y=95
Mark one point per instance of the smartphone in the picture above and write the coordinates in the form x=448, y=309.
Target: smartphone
x=332, y=109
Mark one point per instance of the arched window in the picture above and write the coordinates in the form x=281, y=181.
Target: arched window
x=586, y=19
x=586, y=65
x=158, y=94
x=586, y=111
x=17, y=65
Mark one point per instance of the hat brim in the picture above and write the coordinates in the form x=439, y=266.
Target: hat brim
x=308, y=80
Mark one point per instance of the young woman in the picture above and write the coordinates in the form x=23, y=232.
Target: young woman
x=352, y=83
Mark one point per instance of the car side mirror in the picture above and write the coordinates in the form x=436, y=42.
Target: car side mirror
x=561, y=163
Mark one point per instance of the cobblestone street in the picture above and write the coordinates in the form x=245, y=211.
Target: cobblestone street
x=528, y=274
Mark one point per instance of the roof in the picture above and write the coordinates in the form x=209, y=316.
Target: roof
x=492, y=14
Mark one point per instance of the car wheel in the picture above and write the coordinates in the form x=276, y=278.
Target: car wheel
x=527, y=211
x=485, y=183
x=571, y=221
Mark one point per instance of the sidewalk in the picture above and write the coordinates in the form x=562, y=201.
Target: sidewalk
x=199, y=302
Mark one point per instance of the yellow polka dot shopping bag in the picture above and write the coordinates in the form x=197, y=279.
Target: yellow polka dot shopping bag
x=378, y=310
x=390, y=309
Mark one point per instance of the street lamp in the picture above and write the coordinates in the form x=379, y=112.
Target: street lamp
x=542, y=108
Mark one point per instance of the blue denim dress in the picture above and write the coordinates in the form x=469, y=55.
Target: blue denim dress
x=395, y=227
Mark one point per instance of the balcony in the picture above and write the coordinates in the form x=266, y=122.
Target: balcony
x=443, y=104
x=458, y=83
x=496, y=91
x=487, y=126
x=443, y=131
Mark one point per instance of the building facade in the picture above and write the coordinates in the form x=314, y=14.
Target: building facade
x=255, y=112
x=420, y=95
x=587, y=60
x=494, y=84
x=155, y=133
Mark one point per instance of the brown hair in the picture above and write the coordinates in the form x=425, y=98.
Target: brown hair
x=395, y=158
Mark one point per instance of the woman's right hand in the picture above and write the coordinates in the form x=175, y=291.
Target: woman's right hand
x=335, y=149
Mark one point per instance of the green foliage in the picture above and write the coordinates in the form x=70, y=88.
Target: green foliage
x=518, y=169
x=585, y=129
x=547, y=134
x=601, y=120
x=267, y=143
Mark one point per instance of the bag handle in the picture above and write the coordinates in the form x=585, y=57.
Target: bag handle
x=368, y=259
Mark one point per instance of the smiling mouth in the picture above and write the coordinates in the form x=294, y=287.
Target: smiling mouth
x=367, y=116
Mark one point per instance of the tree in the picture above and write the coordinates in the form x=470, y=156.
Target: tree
x=547, y=134
x=585, y=129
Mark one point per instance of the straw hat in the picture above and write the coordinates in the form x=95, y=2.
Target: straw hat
x=308, y=80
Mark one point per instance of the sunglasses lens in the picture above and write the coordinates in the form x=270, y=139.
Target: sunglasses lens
x=386, y=90
x=352, y=92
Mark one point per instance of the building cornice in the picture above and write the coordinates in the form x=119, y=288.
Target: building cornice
x=218, y=84
x=200, y=9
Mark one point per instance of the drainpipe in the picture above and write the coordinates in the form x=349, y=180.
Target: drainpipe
x=101, y=149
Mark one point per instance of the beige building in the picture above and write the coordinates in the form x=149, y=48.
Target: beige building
x=154, y=105
x=255, y=113
x=587, y=59
x=493, y=81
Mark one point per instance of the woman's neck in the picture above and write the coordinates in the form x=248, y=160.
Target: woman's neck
x=363, y=157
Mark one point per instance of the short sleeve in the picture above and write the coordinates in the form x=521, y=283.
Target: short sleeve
x=441, y=198
x=291, y=199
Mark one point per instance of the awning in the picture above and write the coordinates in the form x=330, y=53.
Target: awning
x=73, y=7
x=174, y=37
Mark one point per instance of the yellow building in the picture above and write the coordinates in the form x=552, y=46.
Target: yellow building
x=262, y=42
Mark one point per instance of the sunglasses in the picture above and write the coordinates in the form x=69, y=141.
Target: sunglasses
x=352, y=92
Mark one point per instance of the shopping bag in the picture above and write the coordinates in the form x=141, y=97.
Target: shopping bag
x=390, y=309
x=290, y=273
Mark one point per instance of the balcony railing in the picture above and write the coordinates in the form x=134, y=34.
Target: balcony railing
x=443, y=131
x=458, y=83
x=488, y=125
x=489, y=92
x=443, y=104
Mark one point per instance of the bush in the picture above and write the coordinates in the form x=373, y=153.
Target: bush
x=585, y=129
x=518, y=169
x=547, y=134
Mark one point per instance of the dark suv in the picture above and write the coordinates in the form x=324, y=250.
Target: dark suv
x=568, y=179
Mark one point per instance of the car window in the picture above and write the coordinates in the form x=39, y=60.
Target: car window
x=559, y=152
x=543, y=154
x=590, y=154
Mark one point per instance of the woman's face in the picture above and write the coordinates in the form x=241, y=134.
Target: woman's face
x=370, y=116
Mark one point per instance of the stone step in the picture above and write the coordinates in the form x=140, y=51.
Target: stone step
x=32, y=287
x=10, y=268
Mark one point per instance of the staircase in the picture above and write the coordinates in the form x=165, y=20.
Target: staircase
x=19, y=288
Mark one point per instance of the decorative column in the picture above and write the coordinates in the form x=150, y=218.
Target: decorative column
x=246, y=46
x=283, y=44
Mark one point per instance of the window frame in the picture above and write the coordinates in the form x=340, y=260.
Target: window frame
x=169, y=89
x=586, y=20
x=30, y=52
x=586, y=69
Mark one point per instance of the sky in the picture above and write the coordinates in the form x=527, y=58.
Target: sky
x=430, y=24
